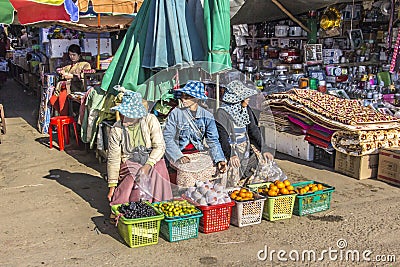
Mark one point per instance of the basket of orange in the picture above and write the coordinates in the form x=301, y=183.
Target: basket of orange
x=248, y=209
x=312, y=197
x=280, y=197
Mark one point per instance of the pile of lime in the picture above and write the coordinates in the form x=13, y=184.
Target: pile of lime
x=176, y=208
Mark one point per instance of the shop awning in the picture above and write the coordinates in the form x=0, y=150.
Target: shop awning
x=111, y=6
x=255, y=11
x=30, y=12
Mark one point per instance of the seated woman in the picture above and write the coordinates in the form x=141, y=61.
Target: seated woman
x=238, y=129
x=72, y=79
x=135, y=154
x=185, y=130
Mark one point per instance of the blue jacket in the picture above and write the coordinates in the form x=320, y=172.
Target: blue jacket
x=178, y=133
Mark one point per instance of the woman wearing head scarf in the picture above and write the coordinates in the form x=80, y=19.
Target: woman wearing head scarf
x=238, y=129
x=186, y=130
x=135, y=165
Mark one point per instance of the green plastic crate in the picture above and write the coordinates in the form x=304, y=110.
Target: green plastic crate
x=310, y=203
x=180, y=228
x=139, y=232
x=276, y=208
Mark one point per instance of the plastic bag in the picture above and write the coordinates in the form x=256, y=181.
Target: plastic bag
x=144, y=184
x=268, y=171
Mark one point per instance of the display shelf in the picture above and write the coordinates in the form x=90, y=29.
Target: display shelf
x=276, y=38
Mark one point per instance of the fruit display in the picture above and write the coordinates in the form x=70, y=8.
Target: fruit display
x=206, y=193
x=242, y=194
x=134, y=210
x=310, y=188
x=277, y=188
x=176, y=208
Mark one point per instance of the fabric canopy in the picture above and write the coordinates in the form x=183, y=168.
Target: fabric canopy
x=7, y=12
x=125, y=68
x=255, y=11
x=111, y=6
x=37, y=11
x=217, y=23
x=172, y=37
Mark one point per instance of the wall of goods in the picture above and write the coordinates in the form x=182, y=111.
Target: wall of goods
x=46, y=50
x=349, y=62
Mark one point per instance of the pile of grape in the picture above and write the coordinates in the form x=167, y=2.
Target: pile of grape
x=134, y=210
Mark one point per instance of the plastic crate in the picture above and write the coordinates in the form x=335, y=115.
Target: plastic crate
x=310, y=203
x=276, y=208
x=179, y=228
x=321, y=156
x=139, y=232
x=248, y=212
x=215, y=218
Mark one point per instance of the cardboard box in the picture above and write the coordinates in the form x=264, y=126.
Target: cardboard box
x=293, y=145
x=363, y=167
x=389, y=166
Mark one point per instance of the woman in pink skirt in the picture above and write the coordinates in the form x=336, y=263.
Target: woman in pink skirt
x=135, y=165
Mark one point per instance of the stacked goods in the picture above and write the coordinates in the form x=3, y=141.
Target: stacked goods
x=176, y=208
x=182, y=220
x=138, y=223
x=214, y=203
x=277, y=188
x=207, y=193
x=312, y=197
x=242, y=194
x=280, y=197
x=248, y=208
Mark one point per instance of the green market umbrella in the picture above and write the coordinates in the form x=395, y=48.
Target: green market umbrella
x=162, y=35
x=217, y=24
x=125, y=68
x=172, y=36
x=7, y=12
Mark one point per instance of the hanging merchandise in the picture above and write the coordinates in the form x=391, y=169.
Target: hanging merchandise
x=330, y=21
x=395, y=52
x=312, y=25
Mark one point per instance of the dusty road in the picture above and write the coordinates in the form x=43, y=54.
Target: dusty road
x=54, y=213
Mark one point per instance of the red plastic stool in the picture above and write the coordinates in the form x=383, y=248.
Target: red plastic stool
x=62, y=123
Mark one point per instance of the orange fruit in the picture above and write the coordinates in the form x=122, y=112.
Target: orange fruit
x=280, y=185
x=290, y=187
x=306, y=188
x=302, y=191
x=260, y=190
x=276, y=182
x=292, y=192
x=314, y=188
x=320, y=186
x=286, y=182
x=273, y=187
x=272, y=193
x=243, y=194
x=236, y=192
x=249, y=195
x=284, y=191
x=243, y=190
x=238, y=199
x=233, y=195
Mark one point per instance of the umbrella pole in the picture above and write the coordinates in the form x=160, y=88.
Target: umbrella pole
x=98, y=43
x=217, y=93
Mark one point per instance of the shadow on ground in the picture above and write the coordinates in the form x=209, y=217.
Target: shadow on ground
x=91, y=189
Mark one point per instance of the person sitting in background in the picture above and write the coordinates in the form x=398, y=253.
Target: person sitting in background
x=185, y=130
x=4, y=44
x=135, y=155
x=72, y=79
x=238, y=129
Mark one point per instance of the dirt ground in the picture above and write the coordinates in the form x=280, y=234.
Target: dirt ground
x=54, y=213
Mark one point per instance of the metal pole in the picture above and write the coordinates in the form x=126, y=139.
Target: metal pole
x=98, y=43
x=217, y=93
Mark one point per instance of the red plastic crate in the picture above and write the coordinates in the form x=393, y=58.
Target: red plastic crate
x=216, y=217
